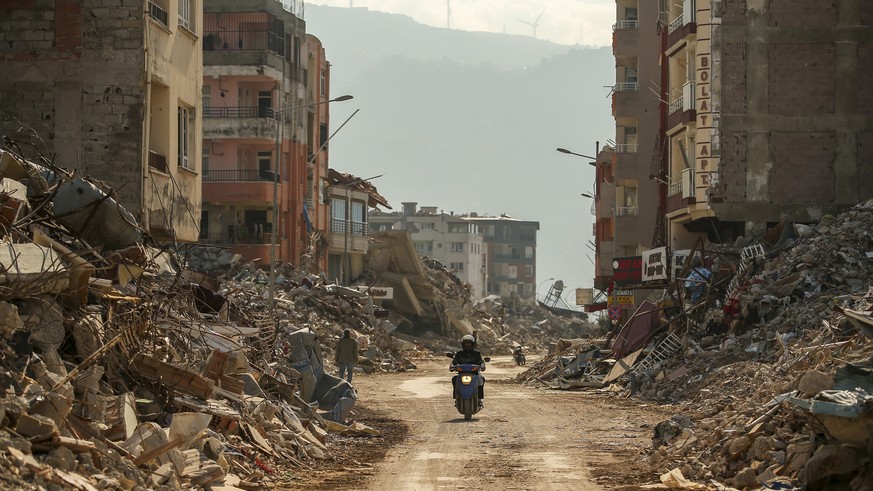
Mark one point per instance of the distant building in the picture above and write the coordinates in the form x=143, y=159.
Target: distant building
x=511, y=246
x=450, y=239
x=114, y=92
x=350, y=197
x=261, y=67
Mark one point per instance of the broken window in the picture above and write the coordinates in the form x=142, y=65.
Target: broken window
x=185, y=137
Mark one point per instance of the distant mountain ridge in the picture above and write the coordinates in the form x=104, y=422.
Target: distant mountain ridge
x=470, y=122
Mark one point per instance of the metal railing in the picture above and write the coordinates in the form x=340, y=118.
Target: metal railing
x=626, y=148
x=676, y=24
x=675, y=188
x=627, y=211
x=677, y=105
x=159, y=14
x=239, y=175
x=626, y=24
x=686, y=101
x=158, y=162
x=340, y=226
x=239, y=112
x=626, y=87
x=243, y=31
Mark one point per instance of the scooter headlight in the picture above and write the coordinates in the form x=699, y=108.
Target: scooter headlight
x=466, y=379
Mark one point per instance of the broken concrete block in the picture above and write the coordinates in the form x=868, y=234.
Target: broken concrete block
x=120, y=417
x=32, y=269
x=62, y=458
x=746, y=478
x=36, y=426
x=54, y=406
x=812, y=382
x=10, y=321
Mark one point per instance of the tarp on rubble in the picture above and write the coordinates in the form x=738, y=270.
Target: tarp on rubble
x=637, y=332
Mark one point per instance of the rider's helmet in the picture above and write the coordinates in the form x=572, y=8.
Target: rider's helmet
x=468, y=339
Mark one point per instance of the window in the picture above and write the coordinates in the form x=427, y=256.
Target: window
x=457, y=247
x=528, y=289
x=630, y=74
x=631, y=13
x=323, y=135
x=265, y=166
x=528, y=234
x=457, y=267
x=630, y=135
x=204, y=167
x=265, y=103
x=489, y=230
x=513, y=272
x=185, y=14
x=528, y=252
x=507, y=232
x=426, y=226
x=338, y=209
x=359, y=218
x=528, y=270
x=457, y=228
x=185, y=137
x=424, y=247
x=323, y=83
x=206, y=97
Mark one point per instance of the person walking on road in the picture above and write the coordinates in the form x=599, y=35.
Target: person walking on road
x=346, y=355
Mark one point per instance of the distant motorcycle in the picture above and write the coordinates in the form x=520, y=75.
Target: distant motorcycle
x=466, y=390
x=518, y=356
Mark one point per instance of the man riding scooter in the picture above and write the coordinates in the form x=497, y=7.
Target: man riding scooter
x=470, y=356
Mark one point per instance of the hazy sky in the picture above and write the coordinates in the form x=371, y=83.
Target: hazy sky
x=585, y=22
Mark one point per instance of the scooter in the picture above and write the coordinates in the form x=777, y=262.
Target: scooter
x=466, y=391
x=519, y=358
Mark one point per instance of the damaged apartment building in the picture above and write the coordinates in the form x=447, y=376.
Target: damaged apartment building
x=266, y=94
x=112, y=90
x=768, y=115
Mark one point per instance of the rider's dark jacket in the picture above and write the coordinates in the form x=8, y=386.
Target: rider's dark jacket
x=472, y=357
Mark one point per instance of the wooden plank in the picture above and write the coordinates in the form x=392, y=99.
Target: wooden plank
x=173, y=377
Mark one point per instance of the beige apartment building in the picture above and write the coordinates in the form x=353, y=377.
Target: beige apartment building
x=115, y=94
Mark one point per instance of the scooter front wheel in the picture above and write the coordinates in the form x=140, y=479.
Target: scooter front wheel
x=468, y=409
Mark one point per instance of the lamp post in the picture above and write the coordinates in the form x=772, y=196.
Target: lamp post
x=276, y=216
x=343, y=264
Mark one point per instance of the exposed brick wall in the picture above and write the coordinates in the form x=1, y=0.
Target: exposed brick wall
x=866, y=13
x=732, y=169
x=73, y=71
x=801, y=78
x=733, y=12
x=865, y=165
x=733, y=78
x=803, y=13
x=803, y=167
x=865, y=78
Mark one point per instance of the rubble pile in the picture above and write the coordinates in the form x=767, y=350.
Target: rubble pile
x=123, y=369
x=778, y=381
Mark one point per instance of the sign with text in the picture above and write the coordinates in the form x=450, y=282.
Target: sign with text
x=622, y=299
x=584, y=296
x=378, y=292
x=655, y=265
x=627, y=270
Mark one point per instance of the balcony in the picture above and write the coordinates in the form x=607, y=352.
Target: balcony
x=626, y=148
x=681, y=193
x=626, y=87
x=159, y=15
x=158, y=162
x=626, y=24
x=239, y=186
x=681, y=110
x=239, y=112
x=627, y=211
x=682, y=26
x=348, y=236
x=235, y=122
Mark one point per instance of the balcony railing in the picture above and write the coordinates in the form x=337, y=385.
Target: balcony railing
x=675, y=188
x=158, y=162
x=238, y=175
x=626, y=148
x=340, y=226
x=309, y=203
x=159, y=14
x=626, y=24
x=627, y=211
x=676, y=24
x=243, y=31
x=626, y=87
x=677, y=105
x=239, y=112
x=686, y=102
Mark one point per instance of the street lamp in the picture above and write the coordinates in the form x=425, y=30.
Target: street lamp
x=568, y=152
x=276, y=215
x=346, y=227
x=587, y=195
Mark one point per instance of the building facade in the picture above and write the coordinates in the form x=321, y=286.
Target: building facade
x=115, y=94
x=511, y=248
x=266, y=87
x=450, y=239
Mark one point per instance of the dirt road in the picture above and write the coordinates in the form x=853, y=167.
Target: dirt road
x=525, y=438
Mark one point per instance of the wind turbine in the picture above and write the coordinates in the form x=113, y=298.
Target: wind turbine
x=534, y=24
x=448, y=14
